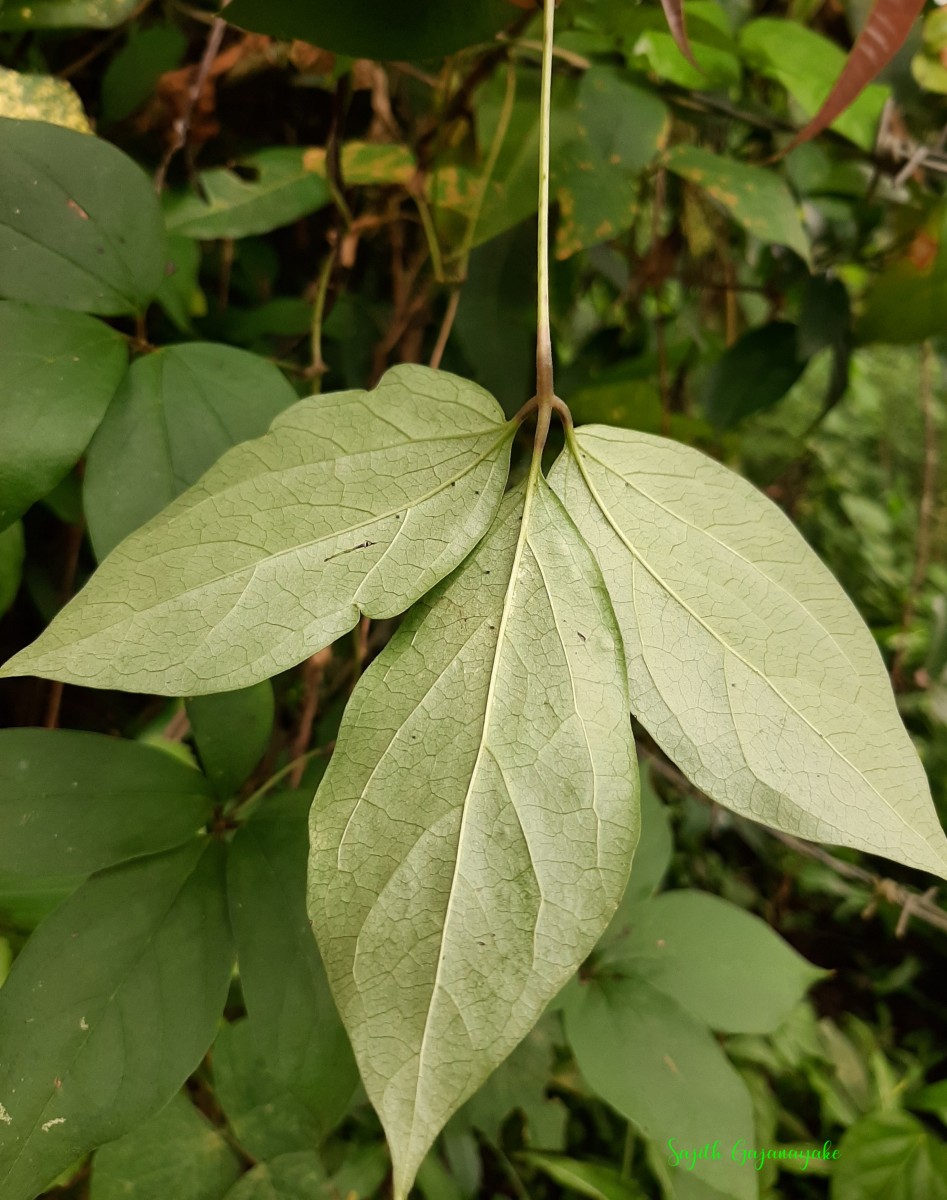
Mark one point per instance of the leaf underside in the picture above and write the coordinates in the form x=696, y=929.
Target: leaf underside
x=450, y=912
x=353, y=503
x=747, y=662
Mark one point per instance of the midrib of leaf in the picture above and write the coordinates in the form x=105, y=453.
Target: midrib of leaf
x=84, y=1041
x=217, y=579
x=531, y=484
x=728, y=648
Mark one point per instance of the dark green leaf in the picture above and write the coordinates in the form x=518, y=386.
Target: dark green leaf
x=297, y=1028
x=131, y=76
x=176, y=413
x=753, y=374
x=176, y=1154
x=232, y=731
x=722, y=964
x=72, y=803
x=367, y=28
x=12, y=551
x=80, y=226
x=58, y=372
x=663, y=1071
x=109, y=1008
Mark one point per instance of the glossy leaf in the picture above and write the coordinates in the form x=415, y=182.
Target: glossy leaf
x=365, y=29
x=753, y=374
x=80, y=226
x=72, y=803
x=108, y=1009
x=232, y=731
x=748, y=664
x=282, y=190
x=29, y=97
x=287, y=539
x=58, y=372
x=446, y=912
x=806, y=64
x=298, y=1032
x=889, y=1156
x=177, y=1153
x=882, y=36
x=722, y=964
x=12, y=553
x=66, y=14
x=177, y=411
x=663, y=1070
x=754, y=197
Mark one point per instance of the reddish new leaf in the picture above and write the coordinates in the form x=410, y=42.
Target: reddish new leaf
x=674, y=12
x=885, y=32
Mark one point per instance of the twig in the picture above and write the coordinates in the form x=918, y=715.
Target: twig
x=313, y=672
x=182, y=124
x=446, y=326
x=910, y=902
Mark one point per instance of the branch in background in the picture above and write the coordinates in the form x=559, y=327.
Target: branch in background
x=910, y=902
x=182, y=123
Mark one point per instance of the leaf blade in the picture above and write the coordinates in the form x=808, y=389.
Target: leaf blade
x=80, y=226
x=473, y=815
x=785, y=671
x=329, y=505
x=108, y=1009
x=74, y=803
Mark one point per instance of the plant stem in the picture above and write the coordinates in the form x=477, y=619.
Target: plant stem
x=544, y=370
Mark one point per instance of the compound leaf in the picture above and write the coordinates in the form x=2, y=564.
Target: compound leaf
x=111, y=1005
x=748, y=664
x=80, y=226
x=474, y=831
x=58, y=372
x=73, y=803
x=353, y=502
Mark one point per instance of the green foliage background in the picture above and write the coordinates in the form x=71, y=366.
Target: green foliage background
x=324, y=218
